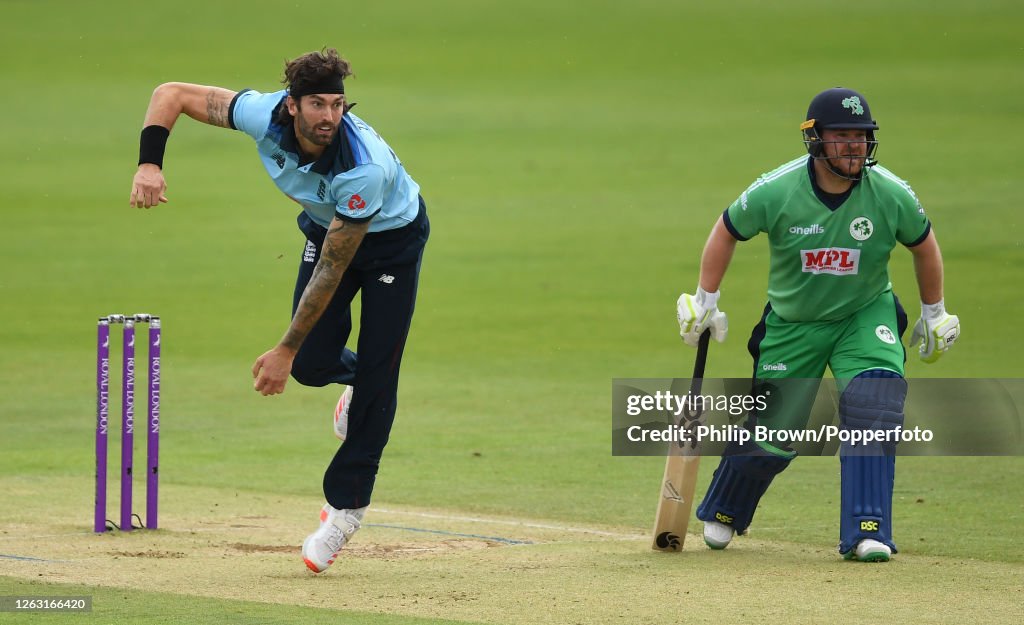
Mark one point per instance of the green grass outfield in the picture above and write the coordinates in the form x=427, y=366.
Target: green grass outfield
x=573, y=157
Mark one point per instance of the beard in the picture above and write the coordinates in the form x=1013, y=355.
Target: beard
x=313, y=134
x=852, y=165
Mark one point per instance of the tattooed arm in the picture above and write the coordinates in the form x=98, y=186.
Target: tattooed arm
x=205, y=104
x=271, y=370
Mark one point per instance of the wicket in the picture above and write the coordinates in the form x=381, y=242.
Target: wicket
x=101, y=524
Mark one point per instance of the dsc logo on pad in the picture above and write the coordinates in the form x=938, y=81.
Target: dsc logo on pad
x=839, y=261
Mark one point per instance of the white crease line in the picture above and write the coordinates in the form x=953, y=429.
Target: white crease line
x=514, y=523
x=425, y=515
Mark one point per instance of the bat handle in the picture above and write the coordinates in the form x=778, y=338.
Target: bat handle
x=690, y=410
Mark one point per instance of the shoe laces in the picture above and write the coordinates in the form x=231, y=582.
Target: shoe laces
x=337, y=537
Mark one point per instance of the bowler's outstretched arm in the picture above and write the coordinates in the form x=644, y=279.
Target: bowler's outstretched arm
x=202, y=103
x=209, y=105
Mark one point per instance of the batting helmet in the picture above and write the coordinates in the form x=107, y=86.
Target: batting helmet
x=838, y=109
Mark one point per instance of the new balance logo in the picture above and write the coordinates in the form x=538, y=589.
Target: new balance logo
x=833, y=260
x=321, y=191
x=386, y=279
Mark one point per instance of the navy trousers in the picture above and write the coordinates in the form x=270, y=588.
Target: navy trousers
x=386, y=270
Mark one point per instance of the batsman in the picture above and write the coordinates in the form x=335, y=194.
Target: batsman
x=832, y=217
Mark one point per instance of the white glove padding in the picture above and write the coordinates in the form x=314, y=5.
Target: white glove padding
x=699, y=312
x=936, y=330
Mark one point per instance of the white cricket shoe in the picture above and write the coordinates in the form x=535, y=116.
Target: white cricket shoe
x=869, y=550
x=717, y=535
x=321, y=548
x=341, y=414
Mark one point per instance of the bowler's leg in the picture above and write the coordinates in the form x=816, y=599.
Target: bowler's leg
x=388, y=301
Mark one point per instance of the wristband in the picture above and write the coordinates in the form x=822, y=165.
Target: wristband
x=933, y=311
x=151, y=145
x=705, y=299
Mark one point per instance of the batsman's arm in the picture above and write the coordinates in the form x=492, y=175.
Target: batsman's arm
x=209, y=105
x=716, y=256
x=343, y=239
x=928, y=269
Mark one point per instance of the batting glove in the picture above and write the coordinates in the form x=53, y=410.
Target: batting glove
x=936, y=330
x=699, y=312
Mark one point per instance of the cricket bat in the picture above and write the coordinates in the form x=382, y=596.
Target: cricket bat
x=680, y=481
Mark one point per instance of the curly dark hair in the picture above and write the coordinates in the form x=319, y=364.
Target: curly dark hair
x=311, y=68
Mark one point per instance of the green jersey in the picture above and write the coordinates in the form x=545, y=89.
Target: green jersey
x=827, y=264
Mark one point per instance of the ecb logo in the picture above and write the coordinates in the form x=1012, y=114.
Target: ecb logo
x=861, y=228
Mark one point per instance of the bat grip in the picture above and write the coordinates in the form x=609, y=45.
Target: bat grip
x=697, y=379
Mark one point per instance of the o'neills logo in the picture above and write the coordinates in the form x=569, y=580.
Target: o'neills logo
x=815, y=229
x=779, y=366
x=839, y=261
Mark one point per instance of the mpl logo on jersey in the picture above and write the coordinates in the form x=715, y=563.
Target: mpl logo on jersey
x=838, y=261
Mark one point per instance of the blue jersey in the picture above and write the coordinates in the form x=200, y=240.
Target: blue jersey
x=358, y=178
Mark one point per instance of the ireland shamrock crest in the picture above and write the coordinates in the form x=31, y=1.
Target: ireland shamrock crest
x=861, y=228
x=853, y=103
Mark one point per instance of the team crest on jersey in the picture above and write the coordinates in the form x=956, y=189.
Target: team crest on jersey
x=885, y=335
x=838, y=261
x=356, y=203
x=861, y=228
